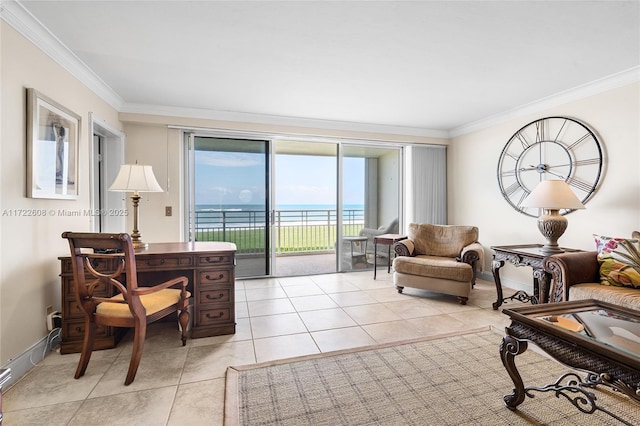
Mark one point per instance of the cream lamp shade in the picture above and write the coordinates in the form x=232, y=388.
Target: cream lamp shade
x=135, y=178
x=552, y=195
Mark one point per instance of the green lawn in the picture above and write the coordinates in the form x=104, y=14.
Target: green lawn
x=287, y=238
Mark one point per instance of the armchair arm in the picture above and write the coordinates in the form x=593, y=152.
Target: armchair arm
x=568, y=269
x=183, y=281
x=473, y=254
x=370, y=232
x=404, y=248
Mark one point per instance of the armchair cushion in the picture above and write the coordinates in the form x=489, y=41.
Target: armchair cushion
x=154, y=302
x=434, y=267
x=441, y=240
x=619, y=260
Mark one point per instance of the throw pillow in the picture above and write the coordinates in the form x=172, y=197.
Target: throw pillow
x=619, y=260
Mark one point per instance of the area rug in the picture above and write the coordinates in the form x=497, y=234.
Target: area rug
x=453, y=380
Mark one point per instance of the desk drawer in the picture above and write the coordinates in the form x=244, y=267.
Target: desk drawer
x=215, y=260
x=213, y=316
x=220, y=276
x=162, y=262
x=75, y=330
x=222, y=295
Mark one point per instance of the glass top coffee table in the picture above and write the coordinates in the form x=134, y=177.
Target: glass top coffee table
x=598, y=338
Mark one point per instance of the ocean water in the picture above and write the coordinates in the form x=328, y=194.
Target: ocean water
x=261, y=207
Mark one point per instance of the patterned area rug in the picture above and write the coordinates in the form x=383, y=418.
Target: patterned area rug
x=455, y=380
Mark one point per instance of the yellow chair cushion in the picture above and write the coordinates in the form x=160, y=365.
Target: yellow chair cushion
x=152, y=303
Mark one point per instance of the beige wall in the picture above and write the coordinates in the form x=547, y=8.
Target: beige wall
x=474, y=195
x=29, y=246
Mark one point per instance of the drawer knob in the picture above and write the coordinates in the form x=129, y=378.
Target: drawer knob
x=79, y=329
x=212, y=278
x=219, y=296
x=219, y=315
x=214, y=259
x=152, y=263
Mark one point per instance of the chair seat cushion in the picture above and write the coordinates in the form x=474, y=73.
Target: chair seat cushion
x=434, y=267
x=153, y=303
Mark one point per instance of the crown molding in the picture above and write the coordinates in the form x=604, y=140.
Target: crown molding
x=13, y=13
x=278, y=120
x=632, y=75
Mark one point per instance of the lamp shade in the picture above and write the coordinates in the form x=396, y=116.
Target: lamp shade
x=553, y=195
x=135, y=178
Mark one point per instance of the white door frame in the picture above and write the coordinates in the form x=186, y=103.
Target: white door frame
x=113, y=204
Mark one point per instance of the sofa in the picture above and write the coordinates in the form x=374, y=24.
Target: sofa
x=577, y=276
x=438, y=258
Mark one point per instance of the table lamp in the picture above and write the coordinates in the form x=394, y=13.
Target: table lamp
x=135, y=178
x=551, y=196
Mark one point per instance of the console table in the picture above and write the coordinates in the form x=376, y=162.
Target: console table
x=598, y=338
x=523, y=255
x=209, y=266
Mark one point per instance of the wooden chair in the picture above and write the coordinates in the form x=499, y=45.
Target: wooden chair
x=132, y=306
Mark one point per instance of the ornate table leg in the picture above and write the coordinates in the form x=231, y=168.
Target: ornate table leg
x=509, y=348
x=543, y=279
x=495, y=269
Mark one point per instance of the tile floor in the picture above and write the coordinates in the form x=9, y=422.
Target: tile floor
x=276, y=318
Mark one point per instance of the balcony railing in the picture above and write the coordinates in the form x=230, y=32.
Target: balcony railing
x=296, y=231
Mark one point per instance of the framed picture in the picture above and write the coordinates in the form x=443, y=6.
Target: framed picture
x=53, y=137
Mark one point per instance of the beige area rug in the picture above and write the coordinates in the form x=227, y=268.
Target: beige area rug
x=453, y=380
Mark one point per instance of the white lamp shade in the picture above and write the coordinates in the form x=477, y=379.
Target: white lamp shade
x=135, y=178
x=553, y=195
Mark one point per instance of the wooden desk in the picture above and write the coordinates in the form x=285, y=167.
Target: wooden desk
x=523, y=255
x=388, y=240
x=209, y=266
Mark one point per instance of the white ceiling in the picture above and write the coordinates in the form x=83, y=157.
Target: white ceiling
x=422, y=65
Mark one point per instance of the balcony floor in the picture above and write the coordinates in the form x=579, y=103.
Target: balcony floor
x=306, y=264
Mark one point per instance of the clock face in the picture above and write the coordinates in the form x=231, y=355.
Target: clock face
x=549, y=148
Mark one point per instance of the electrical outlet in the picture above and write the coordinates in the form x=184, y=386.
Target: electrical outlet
x=48, y=310
x=54, y=320
x=168, y=211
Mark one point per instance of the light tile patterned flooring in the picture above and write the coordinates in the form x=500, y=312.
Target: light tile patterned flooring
x=276, y=318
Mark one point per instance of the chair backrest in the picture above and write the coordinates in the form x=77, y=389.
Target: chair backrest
x=87, y=251
x=391, y=228
x=441, y=240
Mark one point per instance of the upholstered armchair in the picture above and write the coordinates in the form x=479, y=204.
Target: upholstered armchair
x=391, y=228
x=439, y=258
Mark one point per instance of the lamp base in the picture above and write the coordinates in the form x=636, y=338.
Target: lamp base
x=139, y=244
x=552, y=225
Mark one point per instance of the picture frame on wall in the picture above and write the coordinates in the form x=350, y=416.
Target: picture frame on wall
x=53, y=139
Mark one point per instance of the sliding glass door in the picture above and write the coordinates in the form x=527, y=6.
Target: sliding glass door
x=371, y=202
x=306, y=201
x=228, y=198
x=314, y=211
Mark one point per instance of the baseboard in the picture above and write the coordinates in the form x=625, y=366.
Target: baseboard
x=515, y=285
x=21, y=364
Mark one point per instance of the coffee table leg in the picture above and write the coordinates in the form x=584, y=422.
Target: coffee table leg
x=388, y=258
x=509, y=348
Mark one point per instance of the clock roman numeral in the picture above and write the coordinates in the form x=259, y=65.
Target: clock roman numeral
x=579, y=141
x=507, y=173
x=523, y=140
x=540, y=131
x=524, y=195
x=560, y=131
x=512, y=189
x=580, y=184
x=586, y=162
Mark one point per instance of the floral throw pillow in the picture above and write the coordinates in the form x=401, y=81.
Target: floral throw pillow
x=619, y=260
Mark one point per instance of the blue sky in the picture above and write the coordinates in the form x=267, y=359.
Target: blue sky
x=239, y=178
